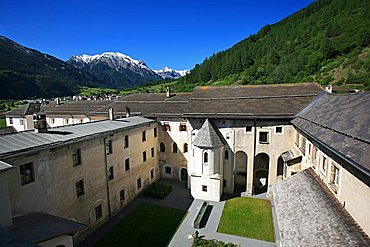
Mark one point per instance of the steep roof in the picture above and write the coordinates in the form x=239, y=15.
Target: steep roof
x=39, y=227
x=209, y=136
x=27, y=109
x=31, y=141
x=341, y=125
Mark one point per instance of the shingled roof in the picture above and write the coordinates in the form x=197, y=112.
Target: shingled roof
x=209, y=136
x=27, y=109
x=340, y=125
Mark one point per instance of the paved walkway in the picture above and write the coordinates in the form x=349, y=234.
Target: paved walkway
x=179, y=198
x=181, y=238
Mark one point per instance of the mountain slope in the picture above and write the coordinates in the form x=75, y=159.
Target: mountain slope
x=26, y=73
x=115, y=69
x=326, y=42
x=168, y=73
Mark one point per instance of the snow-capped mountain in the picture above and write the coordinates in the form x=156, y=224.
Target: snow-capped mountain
x=168, y=73
x=117, y=69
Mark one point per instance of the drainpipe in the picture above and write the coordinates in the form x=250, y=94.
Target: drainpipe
x=106, y=178
x=254, y=151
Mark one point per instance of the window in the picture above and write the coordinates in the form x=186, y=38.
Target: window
x=10, y=120
x=174, y=148
x=166, y=127
x=152, y=173
x=297, y=138
x=98, y=212
x=279, y=129
x=21, y=122
x=204, y=188
x=324, y=164
x=303, y=145
x=110, y=173
x=162, y=147
x=76, y=157
x=108, y=147
x=185, y=148
x=226, y=154
x=66, y=121
x=264, y=137
x=155, y=132
x=80, y=190
x=182, y=127
x=143, y=136
x=205, y=157
x=26, y=172
x=248, y=129
x=309, y=150
x=81, y=120
x=168, y=170
x=125, y=142
x=334, y=176
x=144, y=156
x=52, y=120
x=122, y=195
x=127, y=165
x=314, y=154
x=138, y=183
x=224, y=183
x=152, y=152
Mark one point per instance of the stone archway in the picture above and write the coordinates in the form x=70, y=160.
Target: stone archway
x=261, y=173
x=240, y=178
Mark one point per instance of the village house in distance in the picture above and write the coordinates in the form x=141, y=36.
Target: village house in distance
x=78, y=163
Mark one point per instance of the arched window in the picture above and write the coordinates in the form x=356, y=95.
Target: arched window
x=185, y=148
x=174, y=147
x=162, y=147
x=205, y=157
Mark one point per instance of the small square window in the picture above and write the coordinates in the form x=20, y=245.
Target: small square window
x=127, y=165
x=248, y=129
x=80, y=190
x=204, y=188
x=152, y=152
x=182, y=127
x=125, y=142
x=110, y=173
x=10, y=120
x=143, y=137
x=279, y=129
x=144, y=156
x=138, y=183
x=166, y=127
x=21, y=122
x=168, y=170
x=98, y=212
x=26, y=172
x=122, y=195
x=264, y=137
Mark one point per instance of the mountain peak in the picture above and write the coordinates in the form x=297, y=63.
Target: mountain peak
x=168, y=73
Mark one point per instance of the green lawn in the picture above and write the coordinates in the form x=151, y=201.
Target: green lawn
x=248, y=217
x=2, y=123
x=148, y=225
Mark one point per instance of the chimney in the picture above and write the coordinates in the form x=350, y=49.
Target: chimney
x=39, y=122
x=128, y=113
x=168, y=92
x=111, y=113
x=57, y=100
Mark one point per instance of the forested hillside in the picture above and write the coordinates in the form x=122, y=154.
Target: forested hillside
x=326, y=42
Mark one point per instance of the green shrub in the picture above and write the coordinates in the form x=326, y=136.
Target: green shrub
x=158, y=190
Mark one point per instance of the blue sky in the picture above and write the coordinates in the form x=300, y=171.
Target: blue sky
x=177, y=34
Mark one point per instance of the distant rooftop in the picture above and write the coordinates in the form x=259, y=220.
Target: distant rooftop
x=30, y=141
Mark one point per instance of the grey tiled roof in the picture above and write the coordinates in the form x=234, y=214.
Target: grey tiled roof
x=27, y=109
x=10, y=239
x=309, y=215
x=29, y=140
x=38, y=227
x=342, y=124
x=209, y=136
